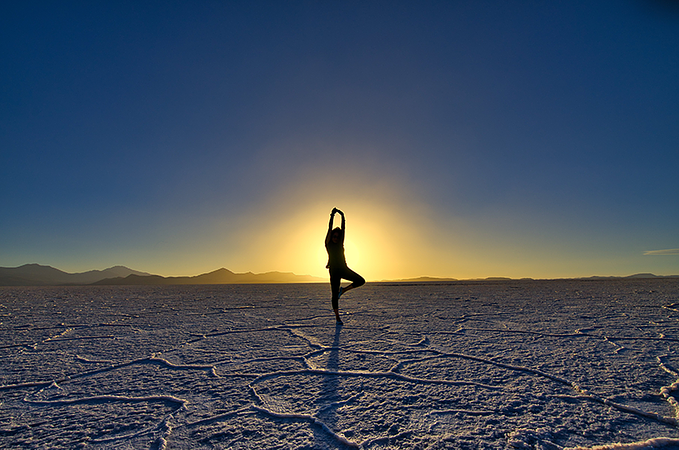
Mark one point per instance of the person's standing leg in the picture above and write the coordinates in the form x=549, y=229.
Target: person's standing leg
x=335, y=280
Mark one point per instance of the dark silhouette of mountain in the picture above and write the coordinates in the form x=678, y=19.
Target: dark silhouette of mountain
x=636, y=275
x=37, y=275
x=434, y=280
x=423, y=280
x=219, y=276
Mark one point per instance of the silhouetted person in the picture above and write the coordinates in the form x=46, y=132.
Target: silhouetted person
x=337, y=264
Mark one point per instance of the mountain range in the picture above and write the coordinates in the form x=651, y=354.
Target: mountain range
x=38, y=275
x=219, y=276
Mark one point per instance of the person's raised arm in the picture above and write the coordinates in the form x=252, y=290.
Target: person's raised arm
x=329, y=233
x=343, y=225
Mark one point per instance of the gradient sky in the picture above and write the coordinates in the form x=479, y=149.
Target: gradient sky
x=461, y=138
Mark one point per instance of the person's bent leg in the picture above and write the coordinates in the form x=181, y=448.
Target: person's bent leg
x=356, y=279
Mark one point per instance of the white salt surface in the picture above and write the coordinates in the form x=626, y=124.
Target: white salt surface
x=545, y=365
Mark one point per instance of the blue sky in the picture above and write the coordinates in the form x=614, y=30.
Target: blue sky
x=461, y=138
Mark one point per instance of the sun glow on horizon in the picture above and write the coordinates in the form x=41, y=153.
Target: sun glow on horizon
x=302, y=251
x=391, y=233
x=386, y=229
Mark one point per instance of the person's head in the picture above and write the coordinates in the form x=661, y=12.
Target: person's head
x=336, y=235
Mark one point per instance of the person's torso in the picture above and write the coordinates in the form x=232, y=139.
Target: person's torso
x=335, y=254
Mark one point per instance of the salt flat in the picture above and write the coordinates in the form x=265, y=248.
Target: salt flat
x=513, y=364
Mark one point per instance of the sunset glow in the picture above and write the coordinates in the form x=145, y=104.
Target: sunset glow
x=462, y=139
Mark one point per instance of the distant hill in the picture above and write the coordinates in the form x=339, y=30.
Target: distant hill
x=434, y=280
x=636, y=275
x=220, y=276
x=423, y=280
x=37, y=275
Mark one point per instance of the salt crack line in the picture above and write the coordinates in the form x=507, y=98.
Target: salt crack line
x=219, y=417
x=303, y=319
x=459, y=330
x=63, y=333
x=26, y=345
x=257, y=360
x=300, y=416
x=664, y=367
x=7, y=387
x=628, y=409
x=367, y=374
x=536, y=333
x=341, y=402
x=386, y=439
x=142, y=432
x=313, y=420
x=399, y=365
x=421, y=343
x=441, y=353
x=618, y=347
x=168, y=364
x=313, y=343
x=221, y=310
x=668, y=420
x=368, y=352
x=565, y=335
x=110, y=398
x=659, y=442
x=461, y=411
x=79, y=338
x=163, y=427
x=665, y=391
x=245, y=330
x=646, y=338
x=287, y=328
x=147, y=360
x=93, y=361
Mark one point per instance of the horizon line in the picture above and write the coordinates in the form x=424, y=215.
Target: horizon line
x=319, y=279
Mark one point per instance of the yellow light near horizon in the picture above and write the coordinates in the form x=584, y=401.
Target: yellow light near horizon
x=296, y=244
x=388, y=231
x=321, y=256
x=351, y=252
